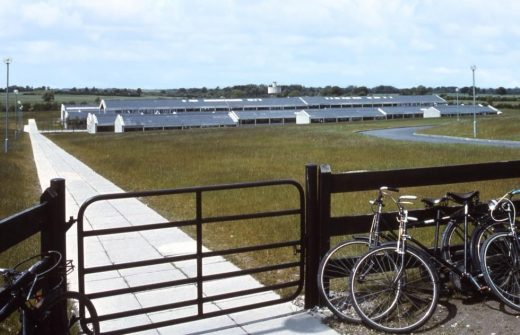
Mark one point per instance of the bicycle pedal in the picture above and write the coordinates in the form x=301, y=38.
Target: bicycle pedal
x=484, y=289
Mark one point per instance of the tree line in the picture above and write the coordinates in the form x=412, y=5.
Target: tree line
x=485, y=95
x=258, y=91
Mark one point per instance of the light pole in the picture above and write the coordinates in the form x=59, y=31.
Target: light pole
x=457, y=90
x=16, y=114
x=7, y=61
x=473, y=68
x=20, y=115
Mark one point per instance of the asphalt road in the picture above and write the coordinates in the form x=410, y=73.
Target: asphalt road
x=410, y=134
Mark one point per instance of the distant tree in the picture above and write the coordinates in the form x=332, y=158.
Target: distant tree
x=48, y=96
x=361, y=91
x=501, y=91
x=139, y=92
x=383, y=89
x=333, y=91
x=421, y=90
x=294, y=93
x=465, y=90
x=237, y=93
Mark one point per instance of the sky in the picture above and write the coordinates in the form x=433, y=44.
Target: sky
x=160, y=44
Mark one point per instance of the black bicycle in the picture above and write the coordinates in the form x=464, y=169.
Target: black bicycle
x=336, y=265
x=395, y=287
x=500, y=253
x=45, y=310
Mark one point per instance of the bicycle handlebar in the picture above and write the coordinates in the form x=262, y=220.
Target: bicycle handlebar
x=21, y=286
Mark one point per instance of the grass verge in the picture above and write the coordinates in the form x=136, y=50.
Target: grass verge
x=504, y=127
x=20, y=190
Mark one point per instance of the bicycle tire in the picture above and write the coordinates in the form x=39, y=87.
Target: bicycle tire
x=390, y=304
x=334, y=277
x=486, y=228
x=500, y=257
x=88, y=324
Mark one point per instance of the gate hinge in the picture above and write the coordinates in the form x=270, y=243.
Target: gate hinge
x=297, y=249
x=71, y=222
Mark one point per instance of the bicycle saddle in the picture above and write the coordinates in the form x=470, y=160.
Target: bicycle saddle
x=432, y=202
x=462, y=198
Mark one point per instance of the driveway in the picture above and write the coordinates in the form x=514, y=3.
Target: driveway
x=411, y=134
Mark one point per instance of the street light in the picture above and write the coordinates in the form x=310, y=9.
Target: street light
x=473, y=68
x=7, y=61
x=20, y=115
x=16, y=115
x=457, y=90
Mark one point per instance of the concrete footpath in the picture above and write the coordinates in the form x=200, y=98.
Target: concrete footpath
x=83, y=183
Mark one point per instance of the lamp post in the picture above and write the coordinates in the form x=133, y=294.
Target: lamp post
x=20, y=115
x=7, y=61
x=473, y=68
x=16, y=114
x=457, y=90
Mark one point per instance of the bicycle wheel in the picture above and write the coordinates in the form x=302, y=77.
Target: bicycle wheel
x=485, y=229
x=452, y=245
x=500, y=257
x=76, y=323
x=394, y=292
x=334, y=277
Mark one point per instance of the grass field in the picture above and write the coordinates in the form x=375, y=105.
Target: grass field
x=20, y=190
x=156, y=160
x=137, y=161
x=504, y=127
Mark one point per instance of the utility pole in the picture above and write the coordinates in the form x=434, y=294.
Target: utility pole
x=7, y=61
x=473, y=68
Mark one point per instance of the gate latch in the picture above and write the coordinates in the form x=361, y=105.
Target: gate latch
x=297, y=249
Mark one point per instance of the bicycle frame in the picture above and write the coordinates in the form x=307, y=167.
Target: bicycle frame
x=403, y=237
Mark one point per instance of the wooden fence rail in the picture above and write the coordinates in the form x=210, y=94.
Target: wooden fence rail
x=321, y=184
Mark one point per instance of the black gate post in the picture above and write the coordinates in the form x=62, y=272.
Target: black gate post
x=324, y=201
x=312, y=256
x=53, y=237
x=54, y=227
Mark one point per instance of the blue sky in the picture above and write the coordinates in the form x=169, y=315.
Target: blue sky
x=195, y=43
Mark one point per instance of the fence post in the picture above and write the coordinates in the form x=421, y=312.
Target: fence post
x=53, y=237
x=324, y=195
x=312, y=257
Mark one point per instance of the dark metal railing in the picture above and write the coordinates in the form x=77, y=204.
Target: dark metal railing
x=294, y=285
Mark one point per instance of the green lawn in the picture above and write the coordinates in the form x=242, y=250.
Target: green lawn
x=152, y=160
x=156, y=160
x=503, y=127
x=20, y=190
x=137, y=161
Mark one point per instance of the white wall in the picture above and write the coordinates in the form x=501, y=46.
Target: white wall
x=119, y=124
x=431, y=113
x=91, y=123
x=302, y=117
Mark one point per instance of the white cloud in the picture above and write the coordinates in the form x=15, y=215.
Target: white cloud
x=327, y=41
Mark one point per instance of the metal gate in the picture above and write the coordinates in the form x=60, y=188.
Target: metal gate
x=143, y=272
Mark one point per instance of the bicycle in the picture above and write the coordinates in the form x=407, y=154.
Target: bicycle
x=335, y=267
x=25, y=291
x=500, y=253
x=395, y=287
x=466, y=227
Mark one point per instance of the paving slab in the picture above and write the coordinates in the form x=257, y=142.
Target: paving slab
x=82, y=183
